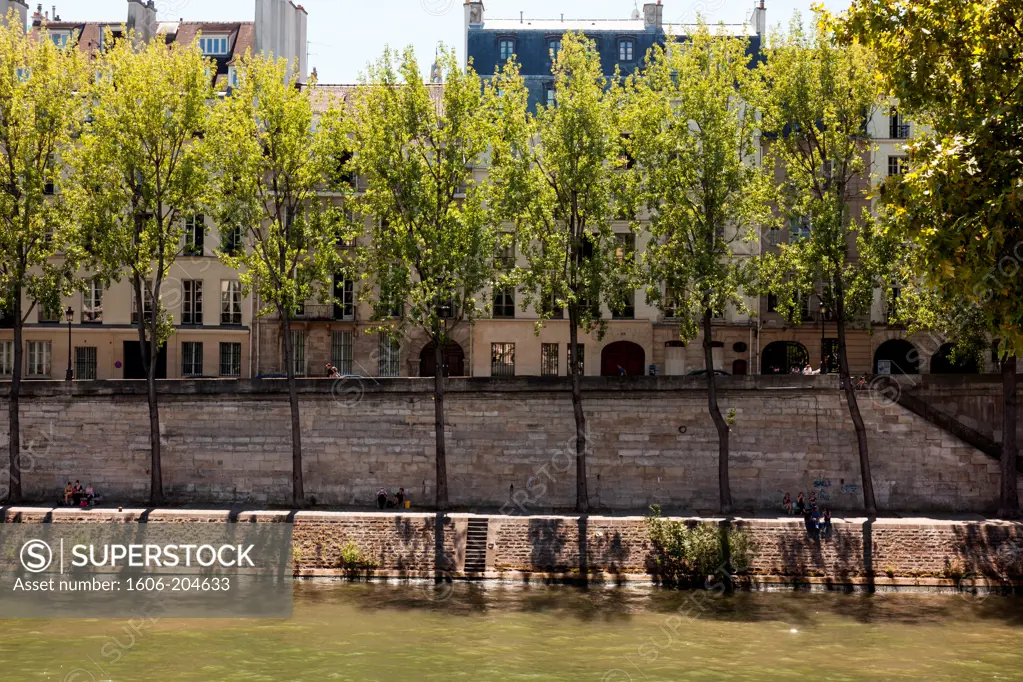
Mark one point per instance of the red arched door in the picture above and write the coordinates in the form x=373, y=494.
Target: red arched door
x=622, y=355
x=454, y=361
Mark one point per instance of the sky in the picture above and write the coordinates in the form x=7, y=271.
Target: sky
x=344, y=35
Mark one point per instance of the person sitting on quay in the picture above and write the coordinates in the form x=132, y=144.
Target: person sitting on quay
x=800, y=503
x=787, y=503
x=77, y=493
x=90, y=494
x=399, y=498
x=381, y=499
x=825, y=524
x=68, y=492
x=813, y=502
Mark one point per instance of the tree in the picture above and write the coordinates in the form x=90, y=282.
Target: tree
x=138, y=173
x=821, y=96
x=41, y=112
x=434, y=239
x=561, y=184
x=954, y=68
x=694, y=136
x=271, y=162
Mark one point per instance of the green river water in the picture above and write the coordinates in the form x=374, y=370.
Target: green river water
x=480, y=632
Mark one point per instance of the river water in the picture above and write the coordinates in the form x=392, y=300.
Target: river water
x=499, y=632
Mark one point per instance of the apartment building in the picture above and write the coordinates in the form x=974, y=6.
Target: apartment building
x=94, y=333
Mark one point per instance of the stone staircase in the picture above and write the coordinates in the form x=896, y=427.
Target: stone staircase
x=476, y=546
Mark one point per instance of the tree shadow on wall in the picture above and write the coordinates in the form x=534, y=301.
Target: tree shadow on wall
x=835, y=559
x=547, y=542
x=983, y=549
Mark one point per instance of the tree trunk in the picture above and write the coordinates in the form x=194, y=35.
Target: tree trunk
x=582, y=502
x=438, y=412
x=297, y=488
x=13, y=404
x=869, y=504
x=1008, y=506
x=149, y=348
x=724, y=489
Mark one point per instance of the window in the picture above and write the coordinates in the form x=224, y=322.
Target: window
x=298, y=352
x=800, y=228
x=195, y=234
x=230, y=302
x=549, y=359
x=672, y=306
x=551, y=309
x=49, y=312
x=213, y=45
x=6, y=358
x=628, y=311
x=344, y=298
x=502, y=359
x=230, y=240
x=772, y=303
x=92, y=303
x=892, y=307
x=232, y=76
x=897, y=165
x=506, y=47
x=803, y=301
x=625, y=247
x=552, y=98
x=830, y=356
x=341, y=347
x=898, y=127
x=554, y=47
x=49, y=189
x=505, y=255
x=22, y=73
x=191, y=301
x=147, y=305
x=625, y=50
x=390, y=350
x=504, y=302
x=582, y=357
x=38, y=359
x=61, y=38
x=191, y=359
x=230, y=359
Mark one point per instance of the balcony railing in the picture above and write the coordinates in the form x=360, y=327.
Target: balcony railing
x=323, y=312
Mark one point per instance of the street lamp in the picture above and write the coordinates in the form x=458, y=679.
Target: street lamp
x=69, y=315
x=824, y=353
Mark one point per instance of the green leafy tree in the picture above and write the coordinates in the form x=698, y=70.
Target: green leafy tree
x=137, y=174
x=562, y=183
x=821, y=96
x=695, y=137
x=434, y=239
x=272, y=161
x=954, y=68
x=41, y=112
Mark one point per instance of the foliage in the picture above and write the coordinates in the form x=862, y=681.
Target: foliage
x=353, y=558
x=688, y=552
x=41, y=112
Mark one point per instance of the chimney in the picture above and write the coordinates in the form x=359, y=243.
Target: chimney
x=653, y=16
x=142, y=19
x=760, y=18
x=281, y=29
x=473, y=11
x=20, y=8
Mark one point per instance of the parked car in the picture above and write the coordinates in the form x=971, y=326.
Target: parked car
x=703, y=372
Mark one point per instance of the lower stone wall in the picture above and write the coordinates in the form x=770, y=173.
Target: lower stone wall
x=413, y=544
x=510, y=444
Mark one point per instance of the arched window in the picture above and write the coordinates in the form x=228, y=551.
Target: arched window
x=781, y=357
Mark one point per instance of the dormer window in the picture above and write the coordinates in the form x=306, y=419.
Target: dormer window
x=506, y=47
x=213, y=45
x=232, y=77
x=626, y=50
x=60, y=38
x=554, y=46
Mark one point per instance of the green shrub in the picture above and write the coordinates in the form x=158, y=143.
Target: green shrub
x=352, y=557
x=687, y=552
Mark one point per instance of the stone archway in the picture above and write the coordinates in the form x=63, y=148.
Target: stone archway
x=941, y=362
x=622, y=355
x=781, y=357
x=900, y=356
x=454, y=360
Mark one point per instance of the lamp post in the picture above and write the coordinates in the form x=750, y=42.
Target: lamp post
x=824, y=354
x=69, y=315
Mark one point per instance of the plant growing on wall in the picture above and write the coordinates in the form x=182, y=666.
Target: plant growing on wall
x=41, y=112
x=687, y=552
x=137, y=173
x=821, y=94
x=434, y=235
x=561, y=181
x=953, y=67
x=693, y=133
x=271, y=160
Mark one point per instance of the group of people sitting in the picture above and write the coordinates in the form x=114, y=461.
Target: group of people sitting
x=812, y=518
x=385, y=501
x=77, y=496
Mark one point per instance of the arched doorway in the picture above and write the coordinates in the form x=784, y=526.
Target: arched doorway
x=899, y=356
x=941, y=362
x=454, y=361
x=625, y=355
x=781, y=357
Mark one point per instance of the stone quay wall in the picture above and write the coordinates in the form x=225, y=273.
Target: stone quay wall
x=918, y=551
x=510, y=444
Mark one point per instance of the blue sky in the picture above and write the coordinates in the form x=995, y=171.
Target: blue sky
x=345, y=34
